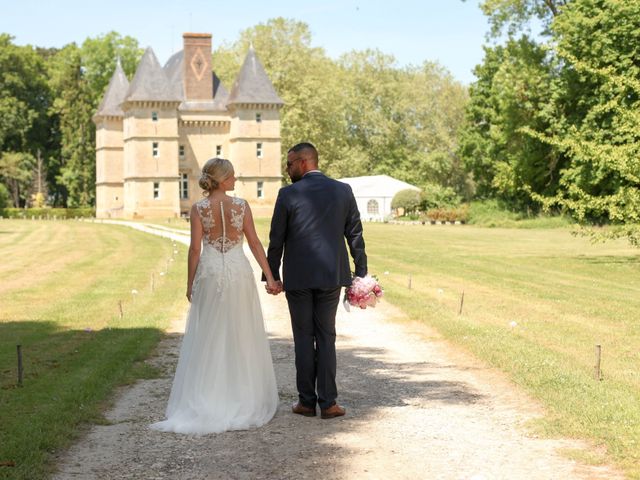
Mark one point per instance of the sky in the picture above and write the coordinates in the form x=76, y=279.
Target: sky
x=450, y=32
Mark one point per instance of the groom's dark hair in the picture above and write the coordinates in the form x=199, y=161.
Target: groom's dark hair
x=307, y=148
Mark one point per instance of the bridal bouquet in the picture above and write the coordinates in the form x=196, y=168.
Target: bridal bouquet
x=363, y=292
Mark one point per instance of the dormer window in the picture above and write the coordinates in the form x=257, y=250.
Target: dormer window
x=258, y=117
x=259, y=150
x=154, y=116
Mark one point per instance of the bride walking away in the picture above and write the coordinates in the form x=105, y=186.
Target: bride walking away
x=224, y=379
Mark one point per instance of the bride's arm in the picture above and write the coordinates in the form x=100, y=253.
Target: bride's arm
x=256, y=247
x=195, y=248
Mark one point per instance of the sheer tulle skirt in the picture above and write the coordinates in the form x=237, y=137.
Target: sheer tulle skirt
x=224, y=379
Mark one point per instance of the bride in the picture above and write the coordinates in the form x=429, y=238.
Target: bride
x=225, y=378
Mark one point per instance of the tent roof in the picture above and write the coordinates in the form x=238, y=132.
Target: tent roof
x=376, y=185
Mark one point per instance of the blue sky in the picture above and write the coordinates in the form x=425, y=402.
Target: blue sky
x=450, y=32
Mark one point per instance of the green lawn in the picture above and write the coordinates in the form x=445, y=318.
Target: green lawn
x=564, y=294
x=60, y=288
x=60, y=283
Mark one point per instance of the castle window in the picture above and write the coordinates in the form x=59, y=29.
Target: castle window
x=184, y=186
x=258, y=117
x=259, y=150
x=156, y=189
x=260, y=192
x=372, y=207
x=181, y=152
x=154, y=116
x=154, y=150
x=218, y=150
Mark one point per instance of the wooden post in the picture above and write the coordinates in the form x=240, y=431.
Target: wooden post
x=461, y=303
x=409, y=282
x=20, y=370
x=596, y=369
x=120, y=308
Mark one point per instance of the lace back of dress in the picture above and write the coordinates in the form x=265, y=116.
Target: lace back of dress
x=222, y=224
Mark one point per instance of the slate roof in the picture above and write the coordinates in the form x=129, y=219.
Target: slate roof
x=253, y=84
x=173, y=70
x=114, y=95
x=376, y=186
x=150, y=82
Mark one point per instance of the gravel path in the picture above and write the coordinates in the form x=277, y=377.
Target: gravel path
x=416, y=408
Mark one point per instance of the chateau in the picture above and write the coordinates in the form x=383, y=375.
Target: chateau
x=154, y=134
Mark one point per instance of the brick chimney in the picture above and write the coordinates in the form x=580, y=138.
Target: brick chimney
x=198, y=80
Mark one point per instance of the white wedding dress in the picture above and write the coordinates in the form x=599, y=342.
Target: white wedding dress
x=224, y=379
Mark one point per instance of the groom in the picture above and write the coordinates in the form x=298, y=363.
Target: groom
x=311, y=219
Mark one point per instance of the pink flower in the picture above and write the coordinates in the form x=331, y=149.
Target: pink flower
x=363, y=292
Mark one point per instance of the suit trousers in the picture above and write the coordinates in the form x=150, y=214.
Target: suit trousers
x=313, y=321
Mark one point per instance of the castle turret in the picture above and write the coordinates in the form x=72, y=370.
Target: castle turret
x=155, y=134
x=254, y=137
x=110, y=146
x=151, y=143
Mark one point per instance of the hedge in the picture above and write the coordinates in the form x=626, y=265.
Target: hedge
x=48, y=212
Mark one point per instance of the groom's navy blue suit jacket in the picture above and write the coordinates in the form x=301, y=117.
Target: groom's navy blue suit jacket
x=311, y=220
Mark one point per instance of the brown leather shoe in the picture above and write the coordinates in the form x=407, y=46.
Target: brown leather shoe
x=333, y=411
x=300, y=409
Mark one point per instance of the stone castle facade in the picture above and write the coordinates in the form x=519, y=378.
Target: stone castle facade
x=154, y=134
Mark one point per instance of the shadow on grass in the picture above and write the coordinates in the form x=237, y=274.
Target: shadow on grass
x=610, y=260
x=67, y=375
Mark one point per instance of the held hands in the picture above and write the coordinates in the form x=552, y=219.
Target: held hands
x=274, y=287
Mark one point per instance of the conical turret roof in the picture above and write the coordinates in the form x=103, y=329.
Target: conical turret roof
x=253, y=84
x=150, y=82
x=114, y=95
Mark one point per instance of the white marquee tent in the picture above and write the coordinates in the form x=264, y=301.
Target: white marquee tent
x=374, y=194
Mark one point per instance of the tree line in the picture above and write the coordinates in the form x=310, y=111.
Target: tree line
x=552, y=121
x=366, y=114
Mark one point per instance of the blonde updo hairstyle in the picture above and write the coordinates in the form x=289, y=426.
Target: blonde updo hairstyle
x=214, y=171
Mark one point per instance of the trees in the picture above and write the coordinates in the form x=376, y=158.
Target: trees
x=514, y=92
x=364, y=113
x=24, y=122
x=599, y=125
x=78, y=78
x=408, y=200
x=306, y=79
x=16, y=172
x=561, y=128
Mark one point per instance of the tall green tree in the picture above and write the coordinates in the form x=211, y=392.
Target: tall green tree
x=514, y=91
x=74, y=106
x=305, y=78
x=99, y=55
x=79, y=77
x=16, y=172
x=25, y=98
x=599, y=125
